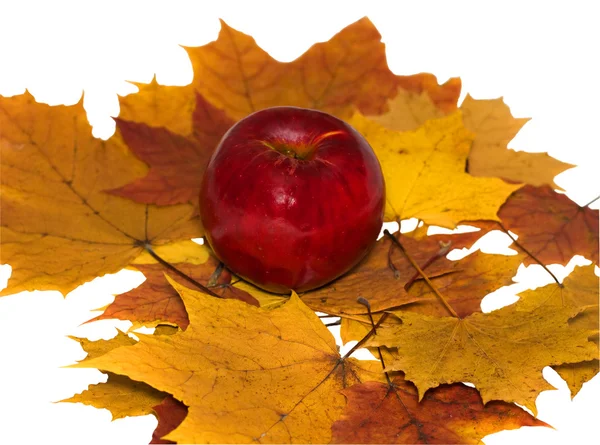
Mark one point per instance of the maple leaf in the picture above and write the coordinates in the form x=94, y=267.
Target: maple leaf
x=382, y=275
x=170, y=413
x=551, y=226
x=475, y=276
x=471, y=279
x=494, y=127
x=502, y=353
x=578, y=290
x=101, y=347
x=408, y=111
x=381, y=413
x=347, y=72
x=246, y=373
x=160, y=106
x=155, y=301
x=121, y=396
x=177, y=163
x=59, y=229
x=419, y=165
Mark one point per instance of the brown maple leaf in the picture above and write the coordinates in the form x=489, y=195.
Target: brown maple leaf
x=59, y=229
x=476, y=275
x=155, y=301
x=176, y=162
x=551, y=226
x=392, y=413
x=382, y=276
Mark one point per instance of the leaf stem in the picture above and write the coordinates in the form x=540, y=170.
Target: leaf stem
x=520, y=246
x=592, y=201
x=366, y=303
x=172, y=268
x=366, y=337
x=444, y=249
x=425, y=277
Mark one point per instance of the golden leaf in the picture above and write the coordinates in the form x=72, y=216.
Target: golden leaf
x=420, y=166
x=502, y=353
x=121, y=396
x=494, y=127
x=59, y=228
x=158, y=105
x=578, y=290
x=246, y=373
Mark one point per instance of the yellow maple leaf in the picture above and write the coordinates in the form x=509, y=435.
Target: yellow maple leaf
x=425, y=174
x=101, y=347
x=579, y=290
x=158, y=105
x=408, y=111
x=502, y=353
x=121, y=396
x=246, y=373
x=494, y=127
x=59, y=228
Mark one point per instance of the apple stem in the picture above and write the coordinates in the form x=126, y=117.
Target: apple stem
x=520, y=246
x=425, y=277
x=186, y=277
x=366, y=303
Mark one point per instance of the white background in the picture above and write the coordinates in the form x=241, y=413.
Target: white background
x=541, y=56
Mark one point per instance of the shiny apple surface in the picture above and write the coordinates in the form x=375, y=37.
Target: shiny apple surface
x=292, y=198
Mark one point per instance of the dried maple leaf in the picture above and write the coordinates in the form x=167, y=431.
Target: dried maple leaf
x=472, y=278
x=502, y=353
x=246, y=373
x=494, y=127
x=551, y=226
x=408, y=111
x=121, y=396
x=578, y=290
x=59, y=229
x=381, y=413
x=475, y=276
x=176, y=162
x=347, y=72
x=170, y=413
x=160, y=106
x=381, y=277
x=155, y=301
x=101, y=347
x=419, y=165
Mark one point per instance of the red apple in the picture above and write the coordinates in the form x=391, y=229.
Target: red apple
x=292, y=198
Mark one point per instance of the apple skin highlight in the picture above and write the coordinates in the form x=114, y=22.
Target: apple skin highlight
x=292, y=198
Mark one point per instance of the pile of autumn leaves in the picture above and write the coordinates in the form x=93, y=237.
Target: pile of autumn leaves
x=257, y=367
